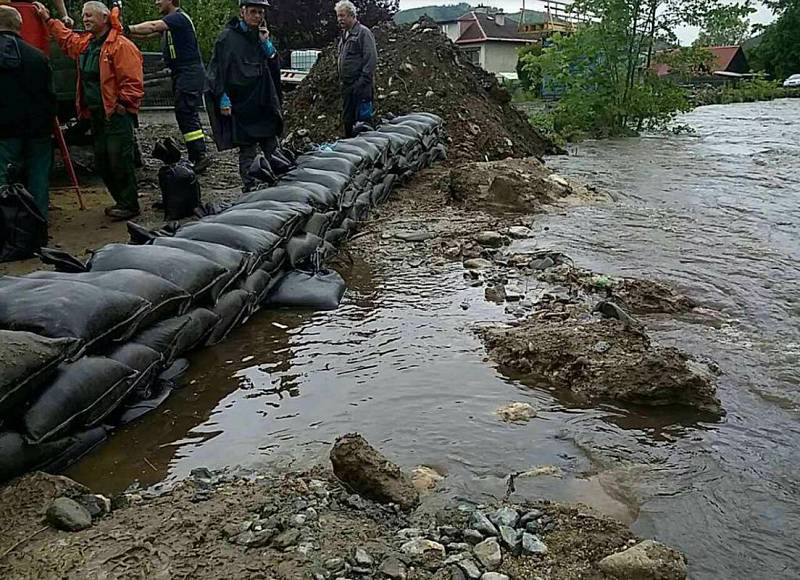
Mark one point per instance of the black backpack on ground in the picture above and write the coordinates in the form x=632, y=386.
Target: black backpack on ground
x=23, y=228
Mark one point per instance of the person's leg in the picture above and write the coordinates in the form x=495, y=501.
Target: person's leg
x=10, y=154
x=101, y=163
x=188, y=118
x=268, y=146
x=349, y=104
x=247, y=153
x=38, y=163
x=120, y=156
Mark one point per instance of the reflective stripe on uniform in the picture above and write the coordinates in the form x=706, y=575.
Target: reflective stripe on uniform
x=171, y=45
x=193, y=136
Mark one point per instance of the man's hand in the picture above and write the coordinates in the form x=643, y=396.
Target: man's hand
x=68, y=22
x=263, y=32
x=225, y=111
x=41, y=11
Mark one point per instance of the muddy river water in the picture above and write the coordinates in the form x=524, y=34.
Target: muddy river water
x=714, y=212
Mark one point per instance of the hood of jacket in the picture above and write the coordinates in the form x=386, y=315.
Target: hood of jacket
x=10, y=57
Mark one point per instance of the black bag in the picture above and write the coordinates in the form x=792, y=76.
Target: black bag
x=303, y=210
x=336, y=182
x=275, y=261
x=165, y=298
x=313, y=194
x=322, y=290
x=167, y=151
x=257, y=284
x=62, y=261
x=180, y=190
x=194, y=274
x=340, y=165
x=62, y=309
x=23, y=228
x=302, y=248
x=232, y=309
x=257, y=242
x=279, y=163
x=176, y=336
x=280, y=223
x=27, y=361
x=82, y=395
x=145, y=361
x=320, y=222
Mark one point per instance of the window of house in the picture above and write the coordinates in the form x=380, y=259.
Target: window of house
x=472, y=55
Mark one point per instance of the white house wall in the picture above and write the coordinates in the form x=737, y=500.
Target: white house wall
x=500, y=57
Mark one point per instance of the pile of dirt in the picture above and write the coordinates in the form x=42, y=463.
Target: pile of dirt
x=598, y=359
x=420, y=69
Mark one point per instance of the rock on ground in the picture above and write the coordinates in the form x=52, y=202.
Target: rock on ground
x=516, y=412
x=425, y=479
x=368, y=472
x=562, y=354
x=647, y=560
x=68, y=515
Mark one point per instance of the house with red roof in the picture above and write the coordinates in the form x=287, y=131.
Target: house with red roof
x=728, y=60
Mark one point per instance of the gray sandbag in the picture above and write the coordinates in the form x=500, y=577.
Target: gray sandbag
x=82, y=394
x=336, y=182
x=313, y=194
x=275, y=261
x=322, y=290
x=235, y=262
x=179, y=335
x=135, y=410
x=368, y=151
x=320, y=222
x=18, y=456
x=27, y=361
x=257, y=242
x=336, y=236
x=354, y=156
x=165, y=298
x=257, y=285
x=301, y=248
x=145, y=361
x=302, y=210
x=23, y=228
x=340, y=165
x=190, y=272
x=281, y=223
x=61, y=309
x=395, y=142
x=232, y=309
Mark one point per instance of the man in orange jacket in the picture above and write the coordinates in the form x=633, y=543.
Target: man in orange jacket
x=110, y=91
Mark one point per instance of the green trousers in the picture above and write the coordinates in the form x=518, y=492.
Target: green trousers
x=35, y=157
x=113, y=157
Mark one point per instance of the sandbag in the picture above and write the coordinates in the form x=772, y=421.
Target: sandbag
x=18, y=456
x=301, y=248
x=309, y=193
x=275, y=261
x=62, y=309
x=165, y=298
x=135, y=410
x=320, y=222
x=190, y=272
x=257, y=285
x=280, y=223
x=259, y=243
x=81, y=395
x=340, y=165
x=235, y=262
x=180, y=190
x=279, y=163
x=336, y=236
x=336, y=182
x=60, y=260
x=23, y=228
x=232, y=309
x=145, y=361
x=367, y=151
x=27, y=361
x=322, y=290
x=302, y=210
x=178, y=335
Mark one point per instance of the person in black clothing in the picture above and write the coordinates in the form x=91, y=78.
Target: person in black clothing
x=358, y=58
x=27, y=109
x=182, y=55
x=245, y=88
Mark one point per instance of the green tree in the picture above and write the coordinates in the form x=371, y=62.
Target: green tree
x=529, y=70
x=778, y=52
x=726, y=26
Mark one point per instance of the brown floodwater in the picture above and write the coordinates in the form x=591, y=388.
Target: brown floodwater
x=715, y=212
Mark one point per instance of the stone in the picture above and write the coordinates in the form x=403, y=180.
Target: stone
x=334, y=564
x=286, y=539
x=410, y=533
x=542, y=263
x=488, y=554
x=96, y=505
x=298, y=520
x=473, y=536
x=490, y=239
x=529, y=516
x=533, y=527
x=470, y=568
x=311, y=515
x=647, y=560
x=392, y=567
x=363, y=468
x=520, y=232
x=477, y=264
x=558, y=180
x=429, y=94
x=601, y=347
x=496, y=293
x=68, y=515
x=494, y=576
x=505, y=516
x=425, y=479
x=478, y=521
x=451, y=572
x=414, y=236
x=457, y=547
x=510, y=538
x=362, y=557
x=532, y=544
x=422, y=547
x=516, y=412
x=514, y=293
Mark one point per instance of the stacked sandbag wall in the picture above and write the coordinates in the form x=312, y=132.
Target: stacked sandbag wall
x=88, y=348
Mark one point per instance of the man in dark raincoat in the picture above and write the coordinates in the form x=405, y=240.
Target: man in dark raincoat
x=245, y=88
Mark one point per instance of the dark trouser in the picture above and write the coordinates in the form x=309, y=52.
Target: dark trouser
x=113, y=157
x=349, y=110
x=187, y=104
x=248, y=153
x=35, y=157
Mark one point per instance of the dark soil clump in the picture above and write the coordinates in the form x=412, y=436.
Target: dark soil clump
x=420, y=69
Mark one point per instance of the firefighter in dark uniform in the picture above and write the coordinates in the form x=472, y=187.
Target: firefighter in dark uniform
x=182, y=55
x=244, y=80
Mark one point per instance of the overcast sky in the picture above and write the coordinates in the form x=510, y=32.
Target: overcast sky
x=686, y=35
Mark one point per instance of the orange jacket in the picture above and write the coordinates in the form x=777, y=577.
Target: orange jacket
x=121, y=65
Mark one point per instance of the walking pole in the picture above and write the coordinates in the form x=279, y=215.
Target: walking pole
x=62, y=145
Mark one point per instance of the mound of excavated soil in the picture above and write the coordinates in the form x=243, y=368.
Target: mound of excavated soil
x=420, y=69
x=599, y=359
